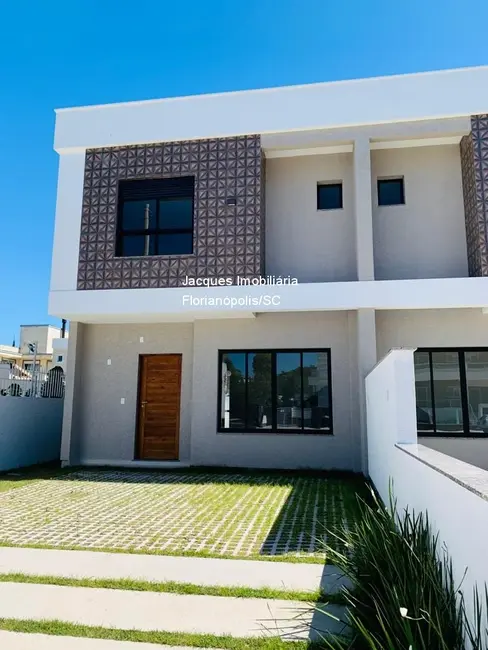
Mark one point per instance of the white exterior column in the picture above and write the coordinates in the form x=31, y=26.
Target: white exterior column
x=367, y=358
x=366, y=323
x=73, y=396
x=363, y=209
x=69, y=205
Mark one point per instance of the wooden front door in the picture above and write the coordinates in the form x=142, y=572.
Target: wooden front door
x=159, y=406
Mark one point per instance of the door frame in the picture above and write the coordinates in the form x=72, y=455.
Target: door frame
x=138, y=438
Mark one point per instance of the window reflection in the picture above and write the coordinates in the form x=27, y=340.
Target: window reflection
x=259, y=410
x=288, y=390
x=233, y=391
x=452, y=392
x=316, y=406
x=175, y=214
x=477, y=390
x=425, y=419
x=139, y=215
x=447, y=392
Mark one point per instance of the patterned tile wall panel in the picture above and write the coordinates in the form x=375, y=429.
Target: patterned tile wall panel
x=263, y=214
x=474, y=165
x=228, y=241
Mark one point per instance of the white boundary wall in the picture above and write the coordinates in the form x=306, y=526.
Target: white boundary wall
x=455, y=494
x=30, y=431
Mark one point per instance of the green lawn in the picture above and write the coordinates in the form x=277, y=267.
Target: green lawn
x=209, y=513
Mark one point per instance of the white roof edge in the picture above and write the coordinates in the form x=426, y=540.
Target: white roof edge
x=396, y=99
x=271, y=89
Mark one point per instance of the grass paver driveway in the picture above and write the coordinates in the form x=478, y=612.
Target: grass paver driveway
x=192, y=512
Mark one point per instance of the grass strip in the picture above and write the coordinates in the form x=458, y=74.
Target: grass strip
x=174, y=588
x=295, y=559
x=58, y=628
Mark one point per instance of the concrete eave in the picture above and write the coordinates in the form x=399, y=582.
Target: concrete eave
x=333, y=105
x=190, y=304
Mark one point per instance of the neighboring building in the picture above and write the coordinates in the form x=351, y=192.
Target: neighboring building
x=372, y=193
x=44, y=345
x=9, y=354
x=60, y=352
x=42, y=336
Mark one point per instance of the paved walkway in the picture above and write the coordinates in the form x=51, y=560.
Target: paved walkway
x=239, y=617
x=18, y=641
x=158, y=568
x=224, y=514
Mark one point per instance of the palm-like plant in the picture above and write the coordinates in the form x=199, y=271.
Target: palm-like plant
x=402, y=593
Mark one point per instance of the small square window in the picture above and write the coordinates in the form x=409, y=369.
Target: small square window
x=329, y=196
x=391, y=191
x=59, y=358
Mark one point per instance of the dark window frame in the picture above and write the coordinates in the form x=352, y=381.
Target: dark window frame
x=332, y=184
x=386, y=181
x=157, y=231
x=463, y=384
x=274, y=430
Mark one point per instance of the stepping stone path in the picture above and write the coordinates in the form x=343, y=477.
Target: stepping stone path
x=150, y=611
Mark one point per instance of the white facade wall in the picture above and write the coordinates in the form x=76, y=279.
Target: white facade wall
x=435, y=328
x=470, y=450
x=426, y=237
x=424, y=328
x=337, y=256
x=423, y=479
x=103, y=429
x=309, y=244
x=66, y=239
x=320, y=330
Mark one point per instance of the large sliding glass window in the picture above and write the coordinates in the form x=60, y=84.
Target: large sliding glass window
x=452, y=392
x=282, y=391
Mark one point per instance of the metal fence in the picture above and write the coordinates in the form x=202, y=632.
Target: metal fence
x=35, y=384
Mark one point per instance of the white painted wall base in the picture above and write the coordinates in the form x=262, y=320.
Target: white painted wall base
x=136, y=464
x=454, y=494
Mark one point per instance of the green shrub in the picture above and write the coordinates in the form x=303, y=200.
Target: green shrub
x=402, y=594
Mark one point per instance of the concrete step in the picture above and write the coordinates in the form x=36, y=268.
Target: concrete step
x=159, y=568
x=147, y=611
x=19, y=641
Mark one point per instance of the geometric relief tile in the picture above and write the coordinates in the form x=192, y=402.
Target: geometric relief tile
x=474, y=164
x=228, y=240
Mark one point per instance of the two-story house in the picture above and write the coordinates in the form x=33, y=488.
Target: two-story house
x=234, y=264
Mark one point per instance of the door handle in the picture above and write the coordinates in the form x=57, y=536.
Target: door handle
x=143, y=403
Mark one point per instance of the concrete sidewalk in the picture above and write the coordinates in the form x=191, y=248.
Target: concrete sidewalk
x=146, y=611
x=159, y=568
x=18, y=641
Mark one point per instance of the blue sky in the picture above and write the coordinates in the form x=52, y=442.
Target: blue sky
x=57, y=54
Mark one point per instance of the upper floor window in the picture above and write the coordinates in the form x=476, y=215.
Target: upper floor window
x=391, y=191
x=155, y=217
x=329, y=196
